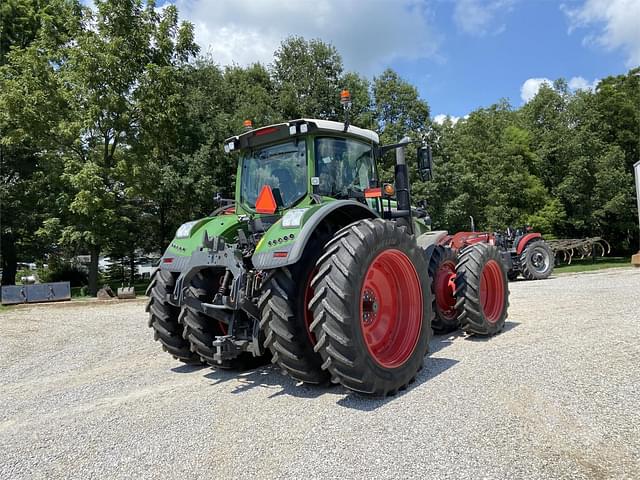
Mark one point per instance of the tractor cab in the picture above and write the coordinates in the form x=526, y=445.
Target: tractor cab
x=307, y=162
x=302, y=162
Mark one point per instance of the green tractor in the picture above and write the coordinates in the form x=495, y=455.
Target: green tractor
x=320, y=265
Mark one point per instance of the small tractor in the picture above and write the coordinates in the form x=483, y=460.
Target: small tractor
x=318, y=264
x=530, y=255
x=524, y=252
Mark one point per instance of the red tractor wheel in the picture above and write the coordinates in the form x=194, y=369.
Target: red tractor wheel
x=482, y=290
x=372, y=307
x=442, y=272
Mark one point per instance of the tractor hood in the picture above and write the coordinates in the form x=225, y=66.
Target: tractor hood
x=189, y=235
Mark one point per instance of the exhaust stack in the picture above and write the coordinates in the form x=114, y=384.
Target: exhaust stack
x=402, y=180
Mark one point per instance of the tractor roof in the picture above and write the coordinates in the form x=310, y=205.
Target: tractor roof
x=281, y=131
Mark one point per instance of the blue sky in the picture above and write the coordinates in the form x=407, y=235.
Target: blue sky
x=461, y=54
x=530, y=40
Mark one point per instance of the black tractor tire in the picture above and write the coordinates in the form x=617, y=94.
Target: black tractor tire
x=512, y=275
x=442, y=268
x=164, y=318
x=200, y=330
x=482, y=290
x=372, y=307
x=285, y=318
x=537, y=260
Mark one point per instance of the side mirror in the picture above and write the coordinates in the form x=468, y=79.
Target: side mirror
x=425, y=163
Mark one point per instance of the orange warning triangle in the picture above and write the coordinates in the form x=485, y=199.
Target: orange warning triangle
x=266, y=202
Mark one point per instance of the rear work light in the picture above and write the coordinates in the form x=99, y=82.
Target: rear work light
x=373, y=192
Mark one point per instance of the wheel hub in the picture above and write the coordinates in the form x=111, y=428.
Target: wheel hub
x=445, y=287
x=539, y=261
x=369, y=306
x=391, y=308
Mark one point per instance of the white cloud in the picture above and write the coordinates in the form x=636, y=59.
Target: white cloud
x=618, y=21
x=440, y=119
x=478, y=17
x=581, y=83
x=531, y=86
x=367, y=34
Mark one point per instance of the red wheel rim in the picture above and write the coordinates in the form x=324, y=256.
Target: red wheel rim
x=309, y=292
x=444, y=289
x=391, y=308
x=492, y=291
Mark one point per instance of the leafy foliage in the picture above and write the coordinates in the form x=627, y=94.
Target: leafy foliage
x=112, y=124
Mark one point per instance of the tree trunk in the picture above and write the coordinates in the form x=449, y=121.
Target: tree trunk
x=132, y=265
x=93, y=270
x=163, y=229
x=9, y=259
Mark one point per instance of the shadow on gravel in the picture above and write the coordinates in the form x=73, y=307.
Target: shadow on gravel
x=270, y=377
x=432, y=368
x=508, y=325
x=438, y=342
x=188, y=368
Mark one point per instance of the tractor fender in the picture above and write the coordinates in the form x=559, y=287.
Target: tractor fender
x=428, y=241
x=526, y=239
x=352, y=211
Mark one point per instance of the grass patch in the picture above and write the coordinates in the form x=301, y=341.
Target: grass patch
x=588, y=265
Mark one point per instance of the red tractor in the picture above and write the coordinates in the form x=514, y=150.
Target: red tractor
x=529, y=255
x=522, y=252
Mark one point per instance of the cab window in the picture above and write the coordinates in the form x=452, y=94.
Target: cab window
x=343, y=164
x=282, y=167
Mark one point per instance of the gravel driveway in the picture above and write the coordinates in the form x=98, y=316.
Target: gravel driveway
x=86, y=393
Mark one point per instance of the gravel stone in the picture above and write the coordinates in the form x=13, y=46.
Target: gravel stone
x=86, y=393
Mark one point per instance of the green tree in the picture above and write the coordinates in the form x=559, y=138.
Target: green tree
x=123, y=44
x=399, y=111
x=398, y=107
x=307, y=74
x=32, y=33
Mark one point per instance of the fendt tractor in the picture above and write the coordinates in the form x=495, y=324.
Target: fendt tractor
x=320, y=265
